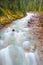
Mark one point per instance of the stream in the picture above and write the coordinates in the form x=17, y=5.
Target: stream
x=17, y=43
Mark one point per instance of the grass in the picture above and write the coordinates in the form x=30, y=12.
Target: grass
x=7, y=16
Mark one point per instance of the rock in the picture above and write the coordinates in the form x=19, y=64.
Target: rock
x=35, y=21
x=13, y=30
x=1, y=25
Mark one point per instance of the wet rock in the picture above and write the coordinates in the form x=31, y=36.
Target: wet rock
x=1, y=25
x=13, y=30
x=35, y=21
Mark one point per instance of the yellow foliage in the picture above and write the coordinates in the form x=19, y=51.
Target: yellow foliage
x=9, y=15
x=3, y=19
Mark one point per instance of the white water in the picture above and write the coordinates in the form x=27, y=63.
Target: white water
x=13, y=44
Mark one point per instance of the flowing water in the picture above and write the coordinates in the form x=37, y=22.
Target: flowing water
x=17, y=43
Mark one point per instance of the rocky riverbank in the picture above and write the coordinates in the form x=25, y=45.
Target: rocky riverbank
x=36, y=21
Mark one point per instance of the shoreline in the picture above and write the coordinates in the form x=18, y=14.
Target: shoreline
x=8, y=23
